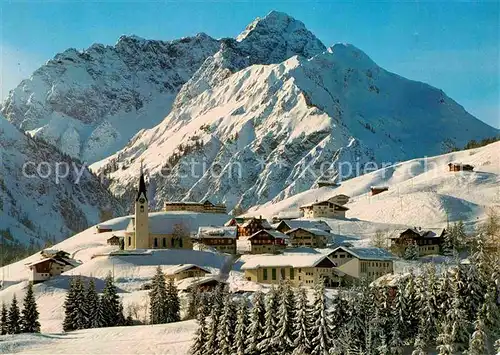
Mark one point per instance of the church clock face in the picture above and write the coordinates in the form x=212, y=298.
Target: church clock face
x=142, y=200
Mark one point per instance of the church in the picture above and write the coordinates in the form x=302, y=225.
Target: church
x=158, y=231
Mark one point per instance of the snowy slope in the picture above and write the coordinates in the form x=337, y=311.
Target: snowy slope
x=270, y=131
x=422, y=192
x=41, y=209
x=90, y=103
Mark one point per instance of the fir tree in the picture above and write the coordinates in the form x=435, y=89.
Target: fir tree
x=445, y=339
x=256, y=324
x=411, y=252
x=29, y=321
x=4, y=320
x=193, y=300
x=158, y=299
x=99, y=317
x=79, y=310
x=266, y=344
x=69, y=305
x=283, y=336
x=13, y=323
x=201, y=335
x=399, y=331
x=302, y=323
x=457, y=314
x=173, y=304
x=320, y=331
x=226, y=327
x=241, y=327
x=110, y=303
x=91, y=305
x=212, y=345
x=478, y=344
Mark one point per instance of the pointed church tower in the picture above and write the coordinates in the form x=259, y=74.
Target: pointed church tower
x=141, y=237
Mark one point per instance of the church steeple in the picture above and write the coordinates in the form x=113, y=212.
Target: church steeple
x=142, y=187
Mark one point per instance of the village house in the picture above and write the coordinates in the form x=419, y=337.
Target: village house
x=331, y=208
x=460, y=167
x=201, y=284
x=285, y=226
x=264, y=242
x=429, y=242
x=365, y=263
x=114, y=240
x=299, y=269
x=222, y=239
x=310, y=237
x=200, y=207
x=326, y=183
x=184, y=271
x=163, y=233
x=375, y=190
x=249, y=226
x=48, y=267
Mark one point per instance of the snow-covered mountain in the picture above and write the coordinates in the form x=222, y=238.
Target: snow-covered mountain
x=273, y=111
x=33, y=203
x=90, y=103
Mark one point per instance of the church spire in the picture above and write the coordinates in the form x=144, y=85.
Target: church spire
x=142, y=186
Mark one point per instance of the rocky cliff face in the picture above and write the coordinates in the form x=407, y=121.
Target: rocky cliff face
x=274, y=111
x=35, y=205
x=90, y=103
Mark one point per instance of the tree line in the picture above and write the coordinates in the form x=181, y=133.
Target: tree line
x=453, y=311
x=14, y=321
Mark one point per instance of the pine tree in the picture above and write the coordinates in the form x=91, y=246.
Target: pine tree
x=478, y=344
x=29, y=321
x=282, y=340
x=193, y=300
x=241, y=327
x=79, y=312
x=255, y=327
x=399, y=330
x=445, y=339
x=266, y=344
x=69, y=305
x=110, y=302
x=13, y=323
x=99, y=317
x=173, y=303
x=226, y=327
x=302, y=323
x=457, y=314
x=201, y=335
x=320, y=330
x=212, y=345
x=411, y=252
x=4, y=320
x=158, y=299
x=91, y=305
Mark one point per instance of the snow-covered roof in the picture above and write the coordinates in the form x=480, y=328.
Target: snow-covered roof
x=314, y=231
x=45, y=260
x=338, y=205
x=216, y=232
x=379, y=187
x=367, y=253
x=189, y=282
x=284, y=260
x=301, y=223
x=274, y=233
x=265, y=224
x=424, y=233
x=183, y=267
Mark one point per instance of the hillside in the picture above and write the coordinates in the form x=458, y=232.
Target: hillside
x=89, y=103
x=36, y=207
x=257, y=122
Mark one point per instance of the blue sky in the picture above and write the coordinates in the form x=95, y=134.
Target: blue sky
x=451, y=45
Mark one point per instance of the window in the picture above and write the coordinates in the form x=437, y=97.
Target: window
x=265, y=274
x=282, y=274
x=156, y=243
x=141, y=208
x=273, y=274
x=342, y=256
x=164, y=242
x=172, y=242
x=129, y=241
x=292, y=273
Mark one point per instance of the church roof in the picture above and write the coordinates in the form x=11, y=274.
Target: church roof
x=142, y=187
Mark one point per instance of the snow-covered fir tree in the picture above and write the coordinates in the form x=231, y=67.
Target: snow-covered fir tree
x=411, y=252
x=226, y=327
x=193, y=302
x=173, y=303
x=478, y=344
x=110, y=303
x=13, y=322
x=302, y=323
x=321, y=338
x=399, y=324
x=92, y=305
x=69, y=305
x=158, y=299
x=457, y=313
x=4, y=320
x=241, y=328
x=266, y=344
x=283, y=337
x=99, y=319
x=29, y=318
x=79, y=310
x=212, y=345
x=445, y=339
x=201, y=335
x=256, y=324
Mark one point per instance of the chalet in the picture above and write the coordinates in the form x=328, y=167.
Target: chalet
x=101, y=228
x=460, y=167
x=375, y=190
x=202, y=284
x=114, y=240
x=362, y=263
x=326, y=183
x=299, y=269
x=201, y=207
x=252, y=225
x=325, y=209
x=184, y=271
x=45, y=268
x=286, y=216
x=428, y=241
x=222, y=239
x=309, y=237
x=264, y=242
x=285, y=226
